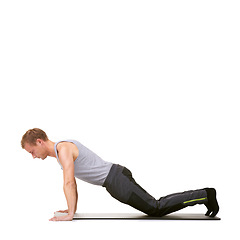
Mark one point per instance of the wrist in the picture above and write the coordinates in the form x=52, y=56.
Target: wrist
x=71, y=214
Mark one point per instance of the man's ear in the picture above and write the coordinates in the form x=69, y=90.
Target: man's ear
x=39, y=141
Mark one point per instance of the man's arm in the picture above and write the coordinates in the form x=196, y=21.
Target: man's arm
x=76, y=197
x=69, y=185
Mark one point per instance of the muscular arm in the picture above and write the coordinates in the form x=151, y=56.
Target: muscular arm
x=69, y=185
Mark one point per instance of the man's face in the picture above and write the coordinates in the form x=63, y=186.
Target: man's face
x=37, y=151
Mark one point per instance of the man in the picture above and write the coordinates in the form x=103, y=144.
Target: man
x=78, y=161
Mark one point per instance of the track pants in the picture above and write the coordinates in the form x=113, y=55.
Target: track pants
x=122, y=186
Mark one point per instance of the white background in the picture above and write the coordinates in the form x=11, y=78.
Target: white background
x=152, y=85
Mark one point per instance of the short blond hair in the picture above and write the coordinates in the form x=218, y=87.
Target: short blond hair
x=32, y=135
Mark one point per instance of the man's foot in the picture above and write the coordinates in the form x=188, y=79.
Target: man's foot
x=212, y=204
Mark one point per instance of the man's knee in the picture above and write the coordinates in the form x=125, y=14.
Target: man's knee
x=140, y=204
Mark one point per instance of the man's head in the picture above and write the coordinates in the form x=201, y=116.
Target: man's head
x=34, y=142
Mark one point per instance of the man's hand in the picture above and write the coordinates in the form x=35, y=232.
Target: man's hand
x=62, y=211
x=62, y=218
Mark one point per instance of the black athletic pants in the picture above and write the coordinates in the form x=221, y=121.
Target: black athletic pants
x=122, y=186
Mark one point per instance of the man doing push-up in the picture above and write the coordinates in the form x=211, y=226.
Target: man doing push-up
x=78, y=161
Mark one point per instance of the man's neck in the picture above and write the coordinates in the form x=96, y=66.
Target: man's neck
x=50, y=148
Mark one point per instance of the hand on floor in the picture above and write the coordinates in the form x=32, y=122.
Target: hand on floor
x=62, y=218
x=62, y=211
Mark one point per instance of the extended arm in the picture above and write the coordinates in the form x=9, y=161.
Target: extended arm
x=70, y=191
x=69, y=184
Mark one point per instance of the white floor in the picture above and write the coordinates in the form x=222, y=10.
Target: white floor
x=38, y=227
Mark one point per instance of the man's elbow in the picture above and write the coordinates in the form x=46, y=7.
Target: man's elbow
x=70, y=183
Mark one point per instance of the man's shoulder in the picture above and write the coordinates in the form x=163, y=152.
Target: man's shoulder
x=67, y=150
x=61, y=146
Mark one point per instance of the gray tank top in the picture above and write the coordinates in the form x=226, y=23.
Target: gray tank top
x=88, y=166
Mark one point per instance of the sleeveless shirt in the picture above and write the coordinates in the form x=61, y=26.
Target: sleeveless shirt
x=88, y=166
